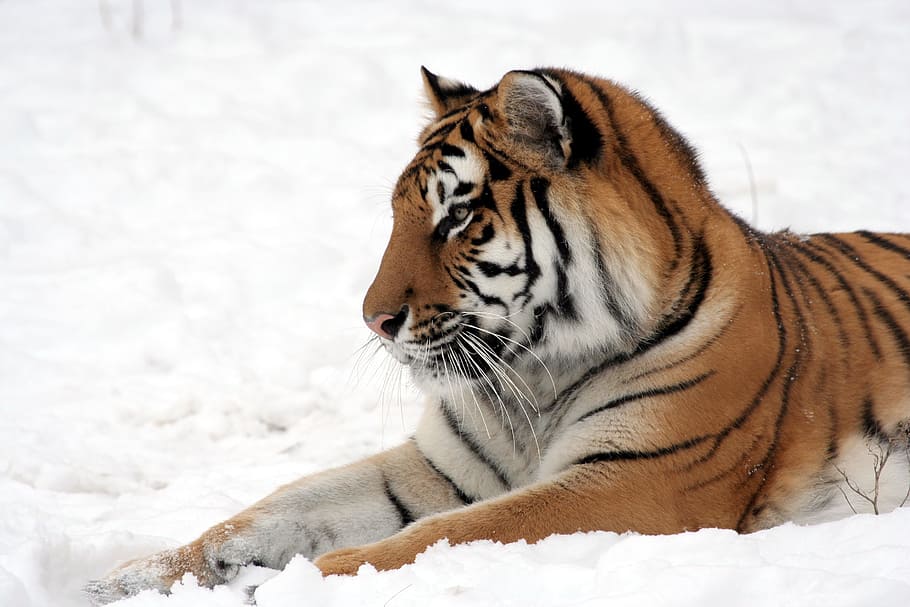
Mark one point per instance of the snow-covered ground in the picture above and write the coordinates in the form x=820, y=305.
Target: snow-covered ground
x=189, y=218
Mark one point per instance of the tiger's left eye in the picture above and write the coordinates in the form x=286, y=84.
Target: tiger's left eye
x=460, y=213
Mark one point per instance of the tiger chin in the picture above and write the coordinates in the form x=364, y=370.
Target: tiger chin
x=603, y=346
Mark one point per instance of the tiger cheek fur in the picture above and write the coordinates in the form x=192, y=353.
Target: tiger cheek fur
x=602, y=346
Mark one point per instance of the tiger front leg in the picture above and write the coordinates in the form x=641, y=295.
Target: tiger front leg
x=582, y=498
x=348, y=506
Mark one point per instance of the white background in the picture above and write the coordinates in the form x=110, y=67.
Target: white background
x=190, y=215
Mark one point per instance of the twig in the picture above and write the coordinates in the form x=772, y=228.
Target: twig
x=753, y=192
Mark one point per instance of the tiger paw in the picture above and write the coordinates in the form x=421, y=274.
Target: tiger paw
x=157, y=572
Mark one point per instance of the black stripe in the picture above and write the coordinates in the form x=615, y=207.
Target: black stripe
x=831, y=451
x=450, y=90
x=536, y=334
x=441, y=131
x=565, y=303
x=814, y=253
x=403, y=513
x=539, y=187
x=627, y=323
x=793, y=373
x=735, y=467
x=871, y=427
x=486, y=235
x=617, y=456
x=854, y=256
x=459, y=492
x=776, y=369
x=468, y=441
x=467, y=131
x=751, y=235
x=700, y=275
x=781, y=265
x=705, y=345
x=695, y=291
x=878, y=308
x=410, y=173
x=498, y=170
x=804, y=272
x=463, y=188
x=450, y=150
x=630, y=162
x=519, y=215
x=764, y=466
x=881, y=241
x=894, y=328
x=490, y=269
x=701, y=266
x=456, y=280
x=485, y=200
x=492, y=151
x=489, y=300
x=661, y=391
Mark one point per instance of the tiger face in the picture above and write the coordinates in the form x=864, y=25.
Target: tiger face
x=493, y=263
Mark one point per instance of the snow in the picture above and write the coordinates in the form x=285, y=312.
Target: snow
x=189, y=219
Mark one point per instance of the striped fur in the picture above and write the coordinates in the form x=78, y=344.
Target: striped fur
x=602, y=346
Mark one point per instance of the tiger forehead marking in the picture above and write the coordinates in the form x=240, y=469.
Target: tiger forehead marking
x=453, y=181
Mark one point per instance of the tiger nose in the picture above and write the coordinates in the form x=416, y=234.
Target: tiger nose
x=387, y=325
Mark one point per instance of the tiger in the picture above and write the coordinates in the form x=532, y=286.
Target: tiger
x=601, y=346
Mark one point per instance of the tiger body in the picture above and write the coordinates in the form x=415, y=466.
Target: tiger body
x=602, y=345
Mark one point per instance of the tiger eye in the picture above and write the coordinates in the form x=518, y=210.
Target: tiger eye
x=460, y=213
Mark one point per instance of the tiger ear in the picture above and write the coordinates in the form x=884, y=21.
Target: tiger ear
x=536, y=123
x=445, y=94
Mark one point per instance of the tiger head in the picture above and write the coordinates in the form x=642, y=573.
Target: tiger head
x=513, y=237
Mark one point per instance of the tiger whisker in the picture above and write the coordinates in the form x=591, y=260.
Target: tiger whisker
x=522, y=346
x=370, y=340
x=458, y=373
x=494, y=400
x=502, y=367
x=445, y=367
x=400, y=389
x=463, y=376
x=384, y=406
x=363, y=358
x=503, y=318
x=494, y=366
x=504, y=412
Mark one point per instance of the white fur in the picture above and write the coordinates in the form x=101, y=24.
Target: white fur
x=854, y=470
x=467, y=169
